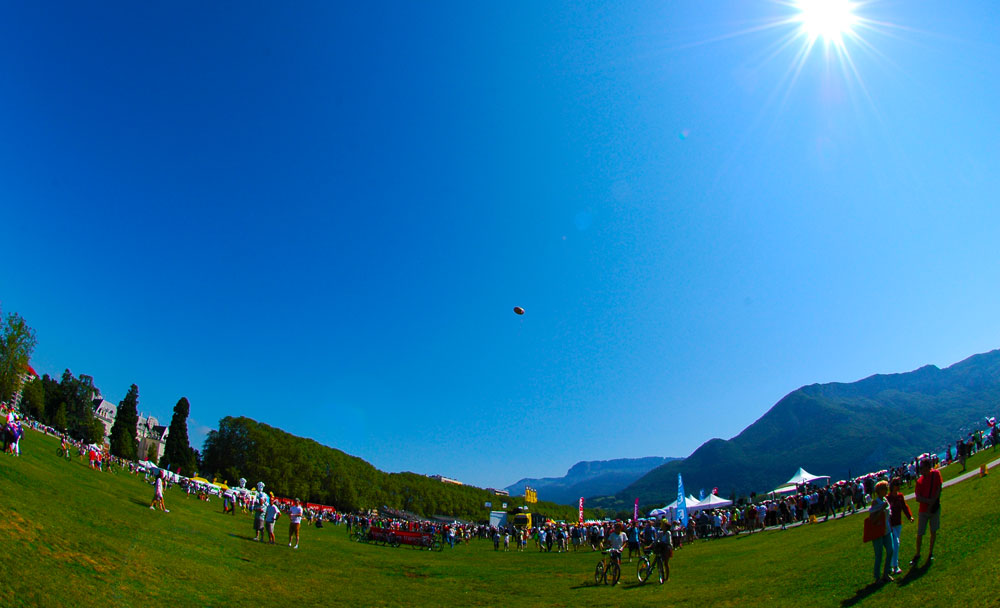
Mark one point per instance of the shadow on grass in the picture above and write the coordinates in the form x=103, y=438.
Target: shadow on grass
x=634, y=586
x=629, y=586
x=862, y=593
x=914, y=573
x=141, y=503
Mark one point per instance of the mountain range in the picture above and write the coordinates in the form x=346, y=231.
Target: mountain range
x=835, y=429
x=589, y=478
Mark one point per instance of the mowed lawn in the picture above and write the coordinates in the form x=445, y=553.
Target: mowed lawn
x=76, y=537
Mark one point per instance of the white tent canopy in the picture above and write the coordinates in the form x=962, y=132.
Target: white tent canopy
x=711, y=502
x=784, y=490
x=803, y=476
x=690, y=502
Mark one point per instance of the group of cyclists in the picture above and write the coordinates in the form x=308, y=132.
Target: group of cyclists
x=644, y=538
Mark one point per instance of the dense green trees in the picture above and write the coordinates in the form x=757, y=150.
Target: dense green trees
x=33, y=399
x=17, y=342
x=296, y=467
x=78, y=396
x=177, y=453
x=124, y=441
x=67, y=405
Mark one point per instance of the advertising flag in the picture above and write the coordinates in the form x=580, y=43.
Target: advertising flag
x=682, y=509
x=701, y=494
x=581, y=509
x=635, y=512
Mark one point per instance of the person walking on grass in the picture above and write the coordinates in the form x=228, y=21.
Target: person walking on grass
x=258, y=517
x=897, y=508
x=271, y=515
x=880, y=509
x=294, y=522
x=158, y=494
x=928, y=494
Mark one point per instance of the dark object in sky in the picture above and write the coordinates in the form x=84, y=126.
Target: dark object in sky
x=519, y=310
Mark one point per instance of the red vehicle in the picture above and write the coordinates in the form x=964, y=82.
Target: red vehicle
x=395, y=538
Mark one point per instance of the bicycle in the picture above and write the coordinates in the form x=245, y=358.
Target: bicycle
x=608, y=568
x=646, y=567
x=428, y=542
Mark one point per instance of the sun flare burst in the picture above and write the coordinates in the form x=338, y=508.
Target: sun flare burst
x=829, y=20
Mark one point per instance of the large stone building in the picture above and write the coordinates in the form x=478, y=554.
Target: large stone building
x=149, y=431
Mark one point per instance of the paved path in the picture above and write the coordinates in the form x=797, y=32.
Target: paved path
x=969, y=475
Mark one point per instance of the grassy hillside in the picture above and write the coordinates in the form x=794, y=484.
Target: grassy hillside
x=292, y=466
x=76, y=537
x=834, y=429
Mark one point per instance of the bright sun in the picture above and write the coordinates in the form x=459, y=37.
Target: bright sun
x=826, y=19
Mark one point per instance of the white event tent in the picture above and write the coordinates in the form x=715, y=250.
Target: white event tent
x=670, y=509
x=711, y=502
x=801, y=476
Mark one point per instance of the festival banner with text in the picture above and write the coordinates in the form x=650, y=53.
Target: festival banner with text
x=581, y=509
x=682, y=510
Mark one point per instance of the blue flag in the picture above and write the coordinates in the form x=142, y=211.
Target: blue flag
x=682, y=509
x=701, y=494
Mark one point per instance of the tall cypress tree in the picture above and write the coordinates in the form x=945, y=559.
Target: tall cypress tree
x=123, y=439
x=178, y=452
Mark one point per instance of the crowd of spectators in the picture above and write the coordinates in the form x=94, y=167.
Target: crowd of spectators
x=808, y=504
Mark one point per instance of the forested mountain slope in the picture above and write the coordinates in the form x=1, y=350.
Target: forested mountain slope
x=833, y=429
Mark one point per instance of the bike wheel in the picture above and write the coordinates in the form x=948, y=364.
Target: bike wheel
x=643, y=570
x=437, y=546
x=599, y=573
x=615, y=573
x=662, y=570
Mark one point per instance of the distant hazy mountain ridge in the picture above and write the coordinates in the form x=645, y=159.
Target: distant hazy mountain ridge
x=589, y=478
x=833, y=429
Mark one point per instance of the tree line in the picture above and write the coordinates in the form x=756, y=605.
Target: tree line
x=290, y=466
x=296, y=467
x=67, y=405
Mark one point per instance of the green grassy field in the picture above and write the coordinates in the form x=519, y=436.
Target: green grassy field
x=75, y=537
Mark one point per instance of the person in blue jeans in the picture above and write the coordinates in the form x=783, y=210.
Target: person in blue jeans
x=897, y=508
x=880, y=508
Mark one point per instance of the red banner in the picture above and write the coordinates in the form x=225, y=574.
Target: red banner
x=288, y=502
x=581, y=509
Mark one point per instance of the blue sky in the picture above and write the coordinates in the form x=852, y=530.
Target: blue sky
x=321, y=216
